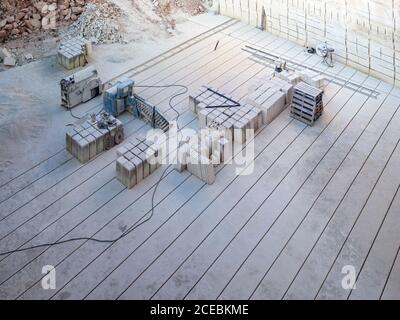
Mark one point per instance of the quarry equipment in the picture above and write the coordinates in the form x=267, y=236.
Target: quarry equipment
x=326, y=52
x=120, y=98
x=88, y=138
x=280, y=66
x=268, y=59
x=80, y=87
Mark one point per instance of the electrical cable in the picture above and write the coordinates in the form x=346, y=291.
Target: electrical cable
x=80, y=118
x=138, y=223
x=74, y=116
x=186, y=90
x=123, y=235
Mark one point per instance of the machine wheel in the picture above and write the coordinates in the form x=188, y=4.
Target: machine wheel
x=108, y=142
x=119, y=136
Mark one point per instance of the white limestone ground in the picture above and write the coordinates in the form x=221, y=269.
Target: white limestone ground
x=319, y=198
x=364, y=33
x=30, y=95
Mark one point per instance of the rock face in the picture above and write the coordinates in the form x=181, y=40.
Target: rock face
x=22, y=17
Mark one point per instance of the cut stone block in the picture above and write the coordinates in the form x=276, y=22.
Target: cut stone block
x=201, y=167
x=85, y=141
x=74, y=52
x=9, y=61
x=139, y=156
x=182, y=157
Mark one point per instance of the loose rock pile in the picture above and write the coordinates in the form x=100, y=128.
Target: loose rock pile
x=192, y=7
x=23, y=17
x=98, y=23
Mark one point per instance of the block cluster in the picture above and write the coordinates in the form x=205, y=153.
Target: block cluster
x=137, y=159
x=203, y=152
x=221, y=112
x=86, y=140
x=308, y=76
x=74, y=52
x=271, y=96
x=313, y=78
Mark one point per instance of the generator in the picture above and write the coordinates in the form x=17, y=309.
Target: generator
x=80, y=87
x=118, y=98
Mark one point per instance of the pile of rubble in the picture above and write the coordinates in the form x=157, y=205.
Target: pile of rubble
x=98, y=23
x=21, y=18
x=31, y=29
x=166, y=7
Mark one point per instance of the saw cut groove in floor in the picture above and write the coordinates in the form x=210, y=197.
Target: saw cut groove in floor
x=283, y=232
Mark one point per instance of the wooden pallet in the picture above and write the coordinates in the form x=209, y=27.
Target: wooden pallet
x=307, y=105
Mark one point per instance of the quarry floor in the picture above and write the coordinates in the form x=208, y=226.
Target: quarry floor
x=323, y=201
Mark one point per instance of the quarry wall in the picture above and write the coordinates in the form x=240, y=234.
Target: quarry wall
x=364, y=33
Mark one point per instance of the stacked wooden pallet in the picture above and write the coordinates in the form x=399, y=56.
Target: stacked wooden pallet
x=137, y=160
x=307, y=105
x=85, y=140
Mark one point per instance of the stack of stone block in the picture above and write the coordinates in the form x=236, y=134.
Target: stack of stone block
x=204, y=97
x=313, y=79
x=85, y=140
x=271, y=96
x=74, y=52
x=200, y=164
x=203, y=152
x=289, y=76
x=214, y=112
x=137, y=159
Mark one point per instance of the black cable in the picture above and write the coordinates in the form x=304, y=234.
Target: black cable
x=186, y=89
x=79, y=118
x=123, y=235
x=136, y=224
x=74, y=116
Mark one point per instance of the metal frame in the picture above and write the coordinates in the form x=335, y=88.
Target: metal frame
x=233, y=105
x=260, y=54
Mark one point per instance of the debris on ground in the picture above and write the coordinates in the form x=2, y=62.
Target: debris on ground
x=98, y=23
x=36, y=26
x=20, y=18
x=168, y=7
x=29, y=57
x=168, y=10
